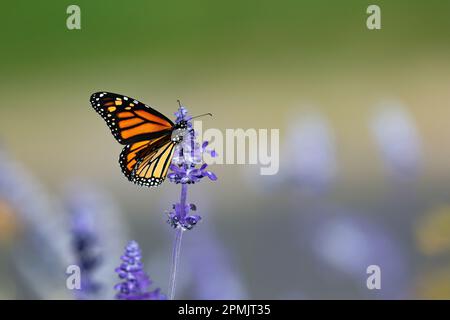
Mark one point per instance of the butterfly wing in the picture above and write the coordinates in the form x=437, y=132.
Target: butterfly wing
x=146, y=162
x=130, y=121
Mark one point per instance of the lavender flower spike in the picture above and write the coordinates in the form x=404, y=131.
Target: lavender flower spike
x=135, y=282
x=187, y=168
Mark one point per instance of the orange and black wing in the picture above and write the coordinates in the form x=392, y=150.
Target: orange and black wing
x=146, y=162
x=130, y=121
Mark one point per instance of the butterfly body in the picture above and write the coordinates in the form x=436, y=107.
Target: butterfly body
x=149, y=136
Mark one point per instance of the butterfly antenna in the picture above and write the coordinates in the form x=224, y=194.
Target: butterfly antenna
x=202, y=115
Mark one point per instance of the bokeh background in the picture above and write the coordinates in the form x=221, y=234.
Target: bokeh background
x=364, y=128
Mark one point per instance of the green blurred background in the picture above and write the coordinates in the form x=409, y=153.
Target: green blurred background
x=253, y=64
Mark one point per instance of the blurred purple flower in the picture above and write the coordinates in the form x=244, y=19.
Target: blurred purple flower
x=136, y=283
x=88, y=259
x=43, y=251
x=398, y=140
x=98, y=234
x=350, y=244
x=311, y=152
x=85, y=247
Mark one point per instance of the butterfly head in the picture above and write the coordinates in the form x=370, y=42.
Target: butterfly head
x=180, y=130
x=183, y=125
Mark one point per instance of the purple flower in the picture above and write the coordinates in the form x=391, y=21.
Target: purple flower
x=189, y=174
x=136, y=283
x=180, y=217
x=187, y=168
x=86, y=250
x=182, y=115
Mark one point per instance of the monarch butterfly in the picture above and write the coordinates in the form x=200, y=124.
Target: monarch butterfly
x=149, y=136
